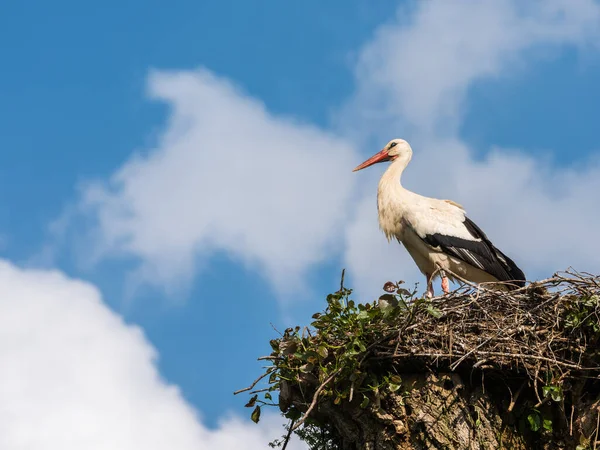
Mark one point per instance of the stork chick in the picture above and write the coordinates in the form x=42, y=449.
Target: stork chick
x=437, y=234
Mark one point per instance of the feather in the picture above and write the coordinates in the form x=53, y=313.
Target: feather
x=478, y=252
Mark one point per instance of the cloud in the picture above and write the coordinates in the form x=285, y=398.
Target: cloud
x=226, y=176
x=277, y=196
x=413, y=81
x=418, y=69
x=74, y=376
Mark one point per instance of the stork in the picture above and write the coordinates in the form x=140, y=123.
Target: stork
x=437, y=234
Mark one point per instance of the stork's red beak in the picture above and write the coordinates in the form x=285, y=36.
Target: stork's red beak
x=376, y=158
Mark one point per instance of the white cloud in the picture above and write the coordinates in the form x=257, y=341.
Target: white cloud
x=276, y=195
x=75, y=376
x=418, y=69
x=226, y=176
x=414, y=76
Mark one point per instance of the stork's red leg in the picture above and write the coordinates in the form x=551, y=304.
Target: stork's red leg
x=429, y=292
x=445, y=285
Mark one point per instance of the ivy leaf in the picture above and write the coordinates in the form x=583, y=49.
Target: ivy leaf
x=255, y=416
x=395, y=379
x=273, y=378
x=274, y=345
x=306, y=368
x=322, y=351
x=434, y=311
x=365, y=402
x=389, y=287
x=359, y=345
x=556, y=394
x=535, y=421
x=252, y=401
x=547, y=424
x=363, y=315
x=394, y=387
x=268, y=396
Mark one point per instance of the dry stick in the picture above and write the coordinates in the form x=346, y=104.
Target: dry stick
x=315, y=398
x=514, y=399
x=597, y=426
x=289, y=435
x=571, y=425
x=489, y=353
x=253, y=384
x=462, y=358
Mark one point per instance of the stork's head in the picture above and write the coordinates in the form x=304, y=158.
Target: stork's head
x=394, y=149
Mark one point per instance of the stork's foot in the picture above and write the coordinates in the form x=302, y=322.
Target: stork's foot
x=445, y=285
x=429, y=291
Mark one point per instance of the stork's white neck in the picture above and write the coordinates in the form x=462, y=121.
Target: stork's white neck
x=393, y=174
x=392, y=197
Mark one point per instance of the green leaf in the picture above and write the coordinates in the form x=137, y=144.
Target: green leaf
x=434, y=311
x=273, y=378
x=547, y=424
x=252, y=401
x=535, y=421
x=268, y=396
x=389, y=287
x=255, y=416
x=365, y=402
x=545, y=390
x=306, y=368
x=359, y=345
x=322, y=351
x=396, y=379
x=556, y=394
x=394, y=387
x=363, y=315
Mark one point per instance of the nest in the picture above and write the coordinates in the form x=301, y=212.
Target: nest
x=552, y=324
x=541, y=341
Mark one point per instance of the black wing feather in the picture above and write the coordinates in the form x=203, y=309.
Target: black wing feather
x=481, y=253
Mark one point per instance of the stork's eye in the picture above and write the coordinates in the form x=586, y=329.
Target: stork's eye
x=393, y=144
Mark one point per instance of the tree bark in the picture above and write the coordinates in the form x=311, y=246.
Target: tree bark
x=447, y=410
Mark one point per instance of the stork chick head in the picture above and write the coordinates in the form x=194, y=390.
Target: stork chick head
x=394, y=149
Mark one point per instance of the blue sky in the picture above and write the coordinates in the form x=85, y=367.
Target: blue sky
x=193, y=163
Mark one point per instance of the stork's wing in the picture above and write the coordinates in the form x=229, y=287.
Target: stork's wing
x=452, y=232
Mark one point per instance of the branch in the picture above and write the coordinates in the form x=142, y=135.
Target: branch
x=315, y=398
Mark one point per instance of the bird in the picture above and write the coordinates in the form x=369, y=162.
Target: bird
x=438, y=235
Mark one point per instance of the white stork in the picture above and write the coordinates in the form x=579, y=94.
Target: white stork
x=439, y=236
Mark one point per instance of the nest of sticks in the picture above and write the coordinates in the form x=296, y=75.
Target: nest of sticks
x=553, y=324
x=541, y=342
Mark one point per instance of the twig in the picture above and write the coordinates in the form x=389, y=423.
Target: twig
x=571, y=423
x=514, y=399
x=597, y=426
x=289, y=434
x=253, y=384
x=315, y=398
